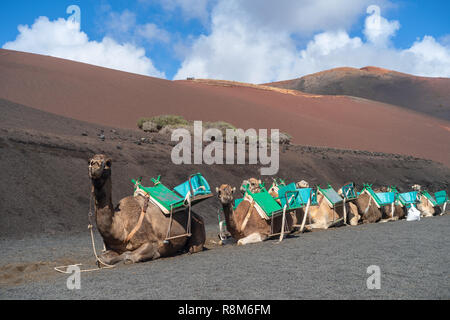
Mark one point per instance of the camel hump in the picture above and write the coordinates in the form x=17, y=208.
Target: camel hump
x=130, y=203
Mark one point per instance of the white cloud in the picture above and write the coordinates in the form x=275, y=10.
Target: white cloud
x=248, y=43
x=294, y=16
x=190, y=9
x=151, y=32
x=120, y=22
x=379, y=30
x=123, y=27
x=64, y=39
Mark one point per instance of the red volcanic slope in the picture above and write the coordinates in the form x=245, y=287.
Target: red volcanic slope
x=422, y=94
x=115, y=98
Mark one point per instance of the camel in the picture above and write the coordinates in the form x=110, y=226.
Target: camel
x=424, y=206
x=302, y=184
x=131, y=237
x=323, y=217
x=367, y=208
x=253, y=185
x=370, y=213
x=244, y=225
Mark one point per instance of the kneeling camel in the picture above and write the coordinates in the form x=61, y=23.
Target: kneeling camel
x=135, y=230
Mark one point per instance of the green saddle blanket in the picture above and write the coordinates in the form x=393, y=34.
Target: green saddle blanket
x=168, y=200
x=441, y=197
x=331, y=196
x=264, y=203
x=429, y=197
x=380, y=198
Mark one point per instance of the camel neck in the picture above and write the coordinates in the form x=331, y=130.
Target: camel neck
x=229, y=217
x=103, y=204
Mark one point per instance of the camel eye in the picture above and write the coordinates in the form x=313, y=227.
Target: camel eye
x=108, y=163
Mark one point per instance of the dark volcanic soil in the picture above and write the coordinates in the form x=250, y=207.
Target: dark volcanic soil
x=44, y=186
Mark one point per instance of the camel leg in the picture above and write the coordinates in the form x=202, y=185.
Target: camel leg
x=148, y=251
x=390, y=219
x=197, y=240
x=107, y=257
x=444, y=209
x=317, y=225
x=354, y=211
x=252, y=238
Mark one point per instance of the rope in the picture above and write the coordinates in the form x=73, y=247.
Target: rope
x=306, y=214
x=107, y=266
x=169, y=229
x=90, y=227
x=283, y=222
x=368, y=205
x=345, y=212
x=188, y=227
x=392, y=210
x=221, y=231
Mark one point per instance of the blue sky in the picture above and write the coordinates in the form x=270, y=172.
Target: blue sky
x=244, y=40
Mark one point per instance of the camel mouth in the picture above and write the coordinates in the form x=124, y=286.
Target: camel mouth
x=95, y=174
x=225, y=199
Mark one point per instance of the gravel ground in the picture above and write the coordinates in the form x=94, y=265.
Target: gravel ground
x=332, y=264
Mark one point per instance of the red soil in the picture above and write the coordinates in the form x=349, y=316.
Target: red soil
x=115, y=98
x=422, y=94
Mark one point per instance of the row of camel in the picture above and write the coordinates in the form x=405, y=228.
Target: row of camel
x=322, y=216
x=135, y=229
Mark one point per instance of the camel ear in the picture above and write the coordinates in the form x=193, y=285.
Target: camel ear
x=217, y=190
x=108, y=163
x=259, y=181
x=234, y=189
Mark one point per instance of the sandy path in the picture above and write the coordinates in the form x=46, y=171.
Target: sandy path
x=413, y=257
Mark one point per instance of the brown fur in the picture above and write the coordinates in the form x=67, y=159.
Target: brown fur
x=426, y=209
x=255, y=224
x=114, y=224
x=373, y=214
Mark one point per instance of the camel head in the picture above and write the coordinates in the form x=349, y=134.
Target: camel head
x=340, y=192
x=302, y=184
x=253, y=185
x=416, y=187
x=99, y=167
x=225, y=193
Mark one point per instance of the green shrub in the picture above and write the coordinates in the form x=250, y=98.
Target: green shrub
x=163, y=121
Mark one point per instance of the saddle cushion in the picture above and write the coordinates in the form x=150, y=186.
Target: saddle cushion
x=441, y=197
x=331, y=196
x=385, y=198
x=199, y=186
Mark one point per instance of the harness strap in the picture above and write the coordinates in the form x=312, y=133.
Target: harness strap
x=368, y=205
x=247, y=217
x=141, y=219
x=283, y=224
